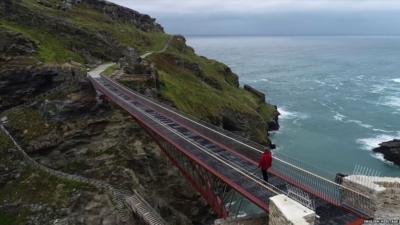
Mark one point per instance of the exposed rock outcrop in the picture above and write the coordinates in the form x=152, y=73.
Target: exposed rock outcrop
x=72, y=133
x=273, y=124
x=123, y=14
x=230, y=77
x=390, y=151
x=15, y=44
x=130, y=62
x=257, y=93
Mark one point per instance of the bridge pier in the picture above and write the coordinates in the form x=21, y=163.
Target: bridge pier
x=384, y=193
x=286, y=211
x=100, y=97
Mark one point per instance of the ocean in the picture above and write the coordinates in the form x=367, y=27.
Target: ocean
x=339, y=97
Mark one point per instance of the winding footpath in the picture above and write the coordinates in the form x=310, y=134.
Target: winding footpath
x=123, y=199
x=147, y=54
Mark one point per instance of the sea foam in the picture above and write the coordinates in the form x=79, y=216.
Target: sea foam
x=285, y=114
x=373, y=142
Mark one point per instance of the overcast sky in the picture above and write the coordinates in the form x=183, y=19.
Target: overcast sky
x=273, y=17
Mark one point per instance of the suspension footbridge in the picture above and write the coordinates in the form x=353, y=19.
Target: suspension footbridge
x=217, y=162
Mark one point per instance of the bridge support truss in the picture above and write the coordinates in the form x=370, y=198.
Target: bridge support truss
x=212, y=189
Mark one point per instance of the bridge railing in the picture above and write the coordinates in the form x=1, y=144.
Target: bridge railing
x=290, y=171
x=323, y=188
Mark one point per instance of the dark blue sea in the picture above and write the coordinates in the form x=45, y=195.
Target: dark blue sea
x=339, y=97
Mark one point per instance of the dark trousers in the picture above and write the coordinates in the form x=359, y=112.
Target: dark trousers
x=265, y=175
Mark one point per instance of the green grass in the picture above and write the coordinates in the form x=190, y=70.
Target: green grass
x=126, y=34
x=7, y=218
x=94, y=21
x=197, y=98
x=191, y=95
x=18, y=218
x=5, y=142
x=41, y=188
x=29, y=123
x=76, y=166
x=267, y=111
x=55, y=47
x=52, y=48
x=110, y=70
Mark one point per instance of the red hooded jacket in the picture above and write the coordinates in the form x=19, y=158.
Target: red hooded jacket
x=265, y=161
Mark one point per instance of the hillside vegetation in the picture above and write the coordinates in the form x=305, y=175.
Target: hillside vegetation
x=46, y=48
x=92, y=32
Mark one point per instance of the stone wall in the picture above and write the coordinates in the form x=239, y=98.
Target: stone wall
x=381, y=195
x=285, y=211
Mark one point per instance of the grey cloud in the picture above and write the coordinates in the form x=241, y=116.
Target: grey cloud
x=255, y=6
x=273, y=17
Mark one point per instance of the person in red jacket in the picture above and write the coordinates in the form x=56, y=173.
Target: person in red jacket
x=265, y=163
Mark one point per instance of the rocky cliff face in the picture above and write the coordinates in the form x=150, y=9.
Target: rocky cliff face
x=64, y=128
x=390, y=151
x=122, y=14
x=46, y=48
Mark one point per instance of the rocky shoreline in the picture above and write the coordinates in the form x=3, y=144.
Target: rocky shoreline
x=390, y=151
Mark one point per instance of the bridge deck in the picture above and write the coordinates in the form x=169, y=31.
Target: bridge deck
x=230, y=165
x=221, y=163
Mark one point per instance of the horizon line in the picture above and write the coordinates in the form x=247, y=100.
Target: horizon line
x=289, y=35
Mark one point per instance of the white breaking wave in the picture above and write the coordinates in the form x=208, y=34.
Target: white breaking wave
x=255, y=81
x=381, y=157
x=378, y=89
x=285, y=114
x=339, y=117
x=342, y=118
x=388, y=85
x=361, y=124
x=397, y=80
x=373, y=142
x=319, y=82
x=392, y=101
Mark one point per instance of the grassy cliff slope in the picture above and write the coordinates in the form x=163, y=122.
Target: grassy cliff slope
x=46, y=47
x=92, y=31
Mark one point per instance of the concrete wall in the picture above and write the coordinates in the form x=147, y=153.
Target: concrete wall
x=383, y=193
x=285, y=211
x=260, y=219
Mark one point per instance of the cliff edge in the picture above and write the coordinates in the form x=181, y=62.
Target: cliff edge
x=46, y=49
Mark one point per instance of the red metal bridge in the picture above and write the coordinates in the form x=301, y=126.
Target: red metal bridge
x=218, y=163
